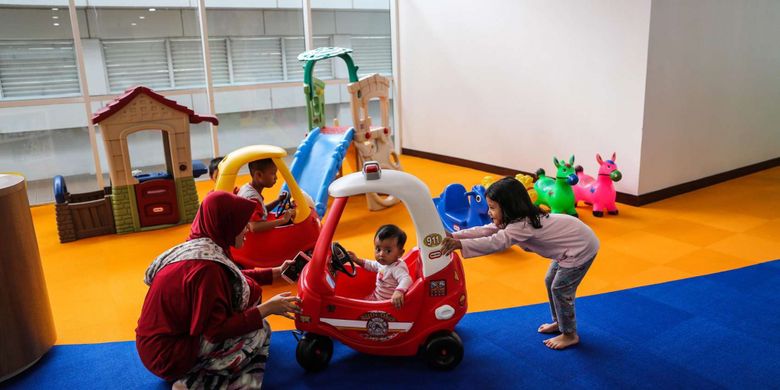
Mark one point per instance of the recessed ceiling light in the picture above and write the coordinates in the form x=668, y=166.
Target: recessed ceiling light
x=133, y=24
x=55, y=9
x=142, y=17
x=152, y=9
x=55, y=24
x=55, y=17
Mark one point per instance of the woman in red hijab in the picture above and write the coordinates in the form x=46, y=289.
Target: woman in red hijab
x=202, y=323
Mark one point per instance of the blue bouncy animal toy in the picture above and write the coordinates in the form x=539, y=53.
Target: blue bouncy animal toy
x=459, y=209
x=556, y=193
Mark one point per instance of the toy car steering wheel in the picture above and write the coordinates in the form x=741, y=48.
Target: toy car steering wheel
x=284, y=204
x=339, y=257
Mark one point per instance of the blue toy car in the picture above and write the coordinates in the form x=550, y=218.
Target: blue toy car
x=459, y=209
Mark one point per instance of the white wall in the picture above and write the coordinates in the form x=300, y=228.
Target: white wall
x=517, y=82
x=713, y=89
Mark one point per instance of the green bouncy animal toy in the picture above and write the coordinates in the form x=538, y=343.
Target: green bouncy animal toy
x=556, y=193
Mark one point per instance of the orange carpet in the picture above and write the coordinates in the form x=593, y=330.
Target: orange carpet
x=96, y=285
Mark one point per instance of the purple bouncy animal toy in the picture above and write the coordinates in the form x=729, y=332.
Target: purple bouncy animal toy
x=598, y=192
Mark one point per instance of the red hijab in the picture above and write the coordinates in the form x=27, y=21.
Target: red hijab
x=221, y=217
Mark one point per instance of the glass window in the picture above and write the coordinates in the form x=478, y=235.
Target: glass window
x=262, y=46
x=30, y=69
x=160, y=48
x=295, y=46
x=256, y=60
x=373, y=53
x=36, y=53
x=40, y=139
x=363, y=26
x=137, y=62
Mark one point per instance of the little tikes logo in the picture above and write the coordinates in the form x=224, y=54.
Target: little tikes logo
x=434, y=255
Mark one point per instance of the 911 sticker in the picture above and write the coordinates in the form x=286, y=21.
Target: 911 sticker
x=432, y=240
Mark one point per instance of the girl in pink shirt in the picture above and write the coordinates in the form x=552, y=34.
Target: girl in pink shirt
x=567, y=241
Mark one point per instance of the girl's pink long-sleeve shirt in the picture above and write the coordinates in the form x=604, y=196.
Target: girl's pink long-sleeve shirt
x=562, y=238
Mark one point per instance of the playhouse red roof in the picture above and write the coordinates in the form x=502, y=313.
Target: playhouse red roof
x=113, y=107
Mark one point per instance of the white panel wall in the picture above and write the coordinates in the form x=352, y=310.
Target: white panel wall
x=713, y=89
x=516, y=83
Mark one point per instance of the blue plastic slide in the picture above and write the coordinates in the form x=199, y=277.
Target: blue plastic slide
x=317, y=161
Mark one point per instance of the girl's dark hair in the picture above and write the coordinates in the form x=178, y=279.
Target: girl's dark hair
x=515, y=203
x=213, y=164
x=389, y=231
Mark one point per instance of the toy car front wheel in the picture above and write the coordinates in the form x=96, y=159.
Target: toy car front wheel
x=314, y=352
x=444, y=350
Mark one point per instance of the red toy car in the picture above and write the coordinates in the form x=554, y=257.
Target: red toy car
x=333, y=293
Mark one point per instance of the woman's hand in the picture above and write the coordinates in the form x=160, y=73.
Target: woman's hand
x=277, y=271
x=284, y=304
x=449, y=245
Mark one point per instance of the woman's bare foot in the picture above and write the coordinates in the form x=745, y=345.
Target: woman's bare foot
x=179, y=385
x=549, y=328
x=562, y=341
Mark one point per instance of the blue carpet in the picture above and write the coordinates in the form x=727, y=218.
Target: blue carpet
x=712, y=331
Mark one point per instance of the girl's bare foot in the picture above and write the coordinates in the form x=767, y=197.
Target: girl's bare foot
x=562, y=341
x=179, y=385
x=549, y=328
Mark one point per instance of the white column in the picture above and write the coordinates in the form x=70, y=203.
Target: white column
x=204, y=39
x=307, y=34
x=395, y=41
x=74, y=25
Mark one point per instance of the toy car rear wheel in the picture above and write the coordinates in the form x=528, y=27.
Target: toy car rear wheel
x=443, y=350
x=314, y=352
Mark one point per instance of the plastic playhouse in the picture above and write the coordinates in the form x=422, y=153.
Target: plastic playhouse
x=332, y=293
x=270, y=248
x=373, y=143
x=319, y=157
x=142, y=201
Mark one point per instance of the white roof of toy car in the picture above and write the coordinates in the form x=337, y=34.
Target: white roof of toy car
x=415, y=196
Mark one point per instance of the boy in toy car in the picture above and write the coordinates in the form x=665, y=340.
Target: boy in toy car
x=263, y=173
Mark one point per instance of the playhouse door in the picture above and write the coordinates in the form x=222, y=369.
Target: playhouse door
x=157, y=202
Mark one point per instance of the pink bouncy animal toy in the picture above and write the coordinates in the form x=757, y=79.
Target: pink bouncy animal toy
x=598, y=192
